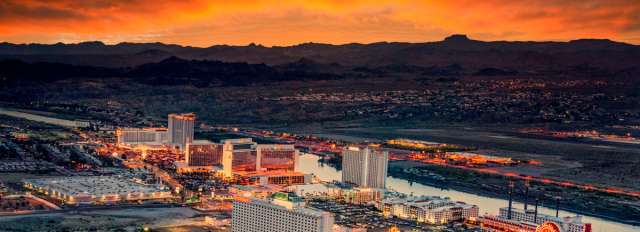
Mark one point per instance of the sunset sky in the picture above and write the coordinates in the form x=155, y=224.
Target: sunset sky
x=239, y=22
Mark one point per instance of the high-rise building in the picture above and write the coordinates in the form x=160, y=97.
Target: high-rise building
x=203, y=153
x=364, y=167
x=238, y=155
x=282, y=157
x=181, y=129
x=141, y=136
x=282, y=212
x=245, y=155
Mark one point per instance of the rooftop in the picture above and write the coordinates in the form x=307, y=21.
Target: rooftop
x=149, y=129
x=429, y=202
x=294, y=207
x=202, y=142
x=92, y=185
x=291, y=197
x=183, y=116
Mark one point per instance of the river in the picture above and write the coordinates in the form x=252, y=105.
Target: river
x=308, y=163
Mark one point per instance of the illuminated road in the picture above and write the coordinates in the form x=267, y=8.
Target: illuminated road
x=168, y=179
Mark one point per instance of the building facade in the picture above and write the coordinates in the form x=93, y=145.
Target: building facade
x=203, y=153
x=141, y=136
x=283, y=178
x=238, y=155
x=281, y=212
x=180, y=129
x=365, y=167
x=244, y=155
x=280, y=157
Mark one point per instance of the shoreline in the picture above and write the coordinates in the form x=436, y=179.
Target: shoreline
x=492, y=194
x=474, y=191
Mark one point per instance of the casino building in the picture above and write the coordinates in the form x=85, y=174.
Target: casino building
x=276, y=157
x=246, y=156
x=201, y=156
x=179, y=132
x=528, y=221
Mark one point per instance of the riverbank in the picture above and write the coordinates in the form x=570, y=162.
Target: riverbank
x=613, y=165
x=488, y=203
x=609, y=206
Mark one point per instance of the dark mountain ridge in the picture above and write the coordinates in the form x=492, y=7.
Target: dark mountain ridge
x=456, y=49
x=170, y=71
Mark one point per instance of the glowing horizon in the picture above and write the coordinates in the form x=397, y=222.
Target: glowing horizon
x=204, y=23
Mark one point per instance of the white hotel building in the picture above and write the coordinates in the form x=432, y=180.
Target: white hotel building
x=281, y=213
x=141, y=136
x=365, y=167
x=179, y=132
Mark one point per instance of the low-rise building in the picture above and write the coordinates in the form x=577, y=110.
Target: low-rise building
x=428, y=209
x=528, y=220
x=254, y=191
x=141, y=136
x=96, y=189
x=339, y=191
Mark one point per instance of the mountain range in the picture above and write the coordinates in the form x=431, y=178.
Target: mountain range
x=453, y=49
x=455, y=55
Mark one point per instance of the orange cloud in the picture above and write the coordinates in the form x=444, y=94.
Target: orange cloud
x=270, y=22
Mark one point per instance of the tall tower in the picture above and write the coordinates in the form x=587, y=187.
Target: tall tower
x=181, y=129
x=365, y=167
x=227, y=158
